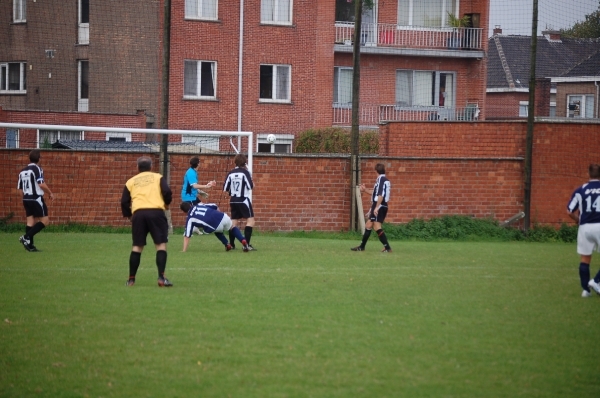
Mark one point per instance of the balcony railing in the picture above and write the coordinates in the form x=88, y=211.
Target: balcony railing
x=390, y=35
x=372, y=115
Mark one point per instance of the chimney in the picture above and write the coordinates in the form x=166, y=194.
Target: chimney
x=497, y=30
x=551, y=35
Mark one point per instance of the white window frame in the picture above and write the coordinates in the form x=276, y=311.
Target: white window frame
x=58, y=135
x=5, y=76
x=110, y=135
x=338, y=85
x=82, y=103
x=198, y=88
x=411, y=7
x=584, y=106
x=16, y=131
x=19, y=11
x=83, y=34
x=274, y=12
x=523, y=108
x=199, y=4
x=275, y=83
x=449, y=97
x=280, y=139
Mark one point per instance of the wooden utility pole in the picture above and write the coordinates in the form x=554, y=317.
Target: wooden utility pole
x=530, y=120
x=354, y=133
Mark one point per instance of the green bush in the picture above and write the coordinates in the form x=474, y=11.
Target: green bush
x=335, y=140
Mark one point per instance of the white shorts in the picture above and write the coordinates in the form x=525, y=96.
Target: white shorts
x=225, y=224
x=588, y=239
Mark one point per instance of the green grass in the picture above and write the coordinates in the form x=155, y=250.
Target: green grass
x=297, y=318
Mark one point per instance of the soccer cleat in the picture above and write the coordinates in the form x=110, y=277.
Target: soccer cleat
x=232, y=246
x=592, y=283
x=130, y=282
x=386, y=250
x=26, y=243
x=197, y=230
x=34, y=249
x=358, y=249
x=228, y=247
x=164, y=282
x=586, y=294
x=245, y=247
x=251, y=248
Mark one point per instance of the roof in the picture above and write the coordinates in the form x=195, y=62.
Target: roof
x=509, y=59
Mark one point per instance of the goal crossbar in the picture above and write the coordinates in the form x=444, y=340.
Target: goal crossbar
x=62, y=127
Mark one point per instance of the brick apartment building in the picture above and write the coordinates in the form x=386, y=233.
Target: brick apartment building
x=275, y=66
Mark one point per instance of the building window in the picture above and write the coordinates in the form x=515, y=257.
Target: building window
x=201, y=9
x=342, y=87
x=118, y=137
x=430, y=13
x=83, y=86
x=12, y=138
x=552, y=109
x=425, y=88
x=523, y=108
x=276, y=12
x=48, y=137
x=275, y=83
x=84, y=22
x=12, y=77
x=283, y=143
x=199, y=79
x=19, y=10
x=580, y=106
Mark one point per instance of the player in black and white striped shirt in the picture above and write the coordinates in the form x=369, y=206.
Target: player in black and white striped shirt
x=239, y=185
x=31, y=182
x=379, y=207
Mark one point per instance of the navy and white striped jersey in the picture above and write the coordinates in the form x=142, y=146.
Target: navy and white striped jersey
x=205, y=216
x=29, y=179
x=238, y=184
x=586, y=198
x=382, y=188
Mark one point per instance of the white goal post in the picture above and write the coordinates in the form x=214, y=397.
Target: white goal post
x=216, y=133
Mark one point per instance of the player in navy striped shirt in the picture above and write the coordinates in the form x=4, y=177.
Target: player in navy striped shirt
x=584, y=207
x=31, y=182
x=379, y=208
x=239, y=185
x=208, y=218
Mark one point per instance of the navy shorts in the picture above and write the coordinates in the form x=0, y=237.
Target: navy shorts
x=380, y=214
x=35, y=208
x=241, y=210
x=151, y=221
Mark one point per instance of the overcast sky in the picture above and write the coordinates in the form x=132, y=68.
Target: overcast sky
x=514, y=16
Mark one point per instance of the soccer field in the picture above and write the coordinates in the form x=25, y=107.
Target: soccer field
x=296, y=318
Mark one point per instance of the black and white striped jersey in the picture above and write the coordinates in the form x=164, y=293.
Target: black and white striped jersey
x=382, y=188
x=29, y=179
x=238, y=184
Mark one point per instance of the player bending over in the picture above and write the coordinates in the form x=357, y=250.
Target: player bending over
x=208, y=218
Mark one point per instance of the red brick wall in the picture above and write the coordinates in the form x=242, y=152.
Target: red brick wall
x=458, y=169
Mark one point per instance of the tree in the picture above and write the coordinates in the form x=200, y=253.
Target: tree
x=590, y=28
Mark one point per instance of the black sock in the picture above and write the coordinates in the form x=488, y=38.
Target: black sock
x=134, y=263
x=584, y=275
x=35, y=229
x=248, y=234
x=596, y=278
x=161, y=262
x=365, y=238
x=231, y=238
x=383, y=238
x=27, y=229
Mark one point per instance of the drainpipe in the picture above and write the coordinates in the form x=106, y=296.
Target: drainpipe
x=597, y=115
x=240, y=69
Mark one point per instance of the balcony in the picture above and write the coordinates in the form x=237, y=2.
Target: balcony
x=373, y=115
x=411, y=40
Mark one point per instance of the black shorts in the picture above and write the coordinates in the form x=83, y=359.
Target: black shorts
x=153, y=221
x=35, y=208
x=241, y=210
x=191, y=202
x=380, y=214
